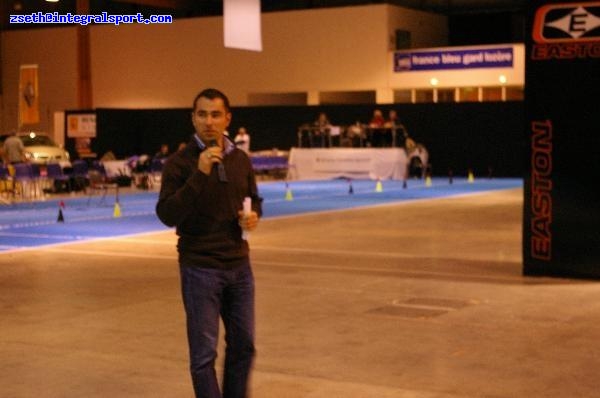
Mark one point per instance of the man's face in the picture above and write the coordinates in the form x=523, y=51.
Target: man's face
x=210, y=119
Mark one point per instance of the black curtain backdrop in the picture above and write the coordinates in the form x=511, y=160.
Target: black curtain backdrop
x=484, y=137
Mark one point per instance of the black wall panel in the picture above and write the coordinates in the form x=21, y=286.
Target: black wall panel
x=485, y=137
x=562, y=203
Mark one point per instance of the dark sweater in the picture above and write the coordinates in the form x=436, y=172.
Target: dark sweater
x=204, y=210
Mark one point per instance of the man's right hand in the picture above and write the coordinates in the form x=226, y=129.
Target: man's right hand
x=208, y=157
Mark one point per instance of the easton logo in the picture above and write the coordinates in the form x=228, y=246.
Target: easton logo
x=541, y=189
x=567, y=22
x=566, y=31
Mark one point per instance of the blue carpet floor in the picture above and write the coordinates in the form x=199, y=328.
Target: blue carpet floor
x=33, y=224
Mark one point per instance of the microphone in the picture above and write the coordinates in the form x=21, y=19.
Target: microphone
x=219, y=166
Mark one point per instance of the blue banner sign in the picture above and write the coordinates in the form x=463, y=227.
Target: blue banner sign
x=493, y=57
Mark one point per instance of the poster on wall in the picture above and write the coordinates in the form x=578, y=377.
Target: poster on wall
x=29, y=103
x=81, y=127
x=561, y=234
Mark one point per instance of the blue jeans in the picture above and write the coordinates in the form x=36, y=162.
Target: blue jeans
x=207, y=294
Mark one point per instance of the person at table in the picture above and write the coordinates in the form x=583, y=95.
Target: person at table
x=321, y=129
x=377, y=121
x=392, y=119
x=355, y=133
x=409, y=144
x=396, y=127
x=163, y=152
x=108, y=156
x=376, y=134
x=242, y=140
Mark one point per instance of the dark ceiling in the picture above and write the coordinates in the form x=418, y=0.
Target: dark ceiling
x=470, y=21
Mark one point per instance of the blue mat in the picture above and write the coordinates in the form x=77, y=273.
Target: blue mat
x=34, y=224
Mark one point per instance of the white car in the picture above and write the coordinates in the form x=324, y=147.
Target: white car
x=41, y=149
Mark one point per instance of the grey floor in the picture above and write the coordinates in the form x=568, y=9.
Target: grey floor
x=417, y=300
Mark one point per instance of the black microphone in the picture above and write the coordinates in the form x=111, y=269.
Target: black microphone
x=219, y=166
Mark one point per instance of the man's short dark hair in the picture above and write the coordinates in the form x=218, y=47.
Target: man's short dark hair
x=211, y=94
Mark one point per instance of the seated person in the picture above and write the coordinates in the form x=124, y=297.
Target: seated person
x=242, y=140
x=377, y=121
x=392, y=120
x=109, y=155
x=163, y=152
x=356, y=134
x=396, y=127
x=409, y=143
x=377, y=137
x=321, y=128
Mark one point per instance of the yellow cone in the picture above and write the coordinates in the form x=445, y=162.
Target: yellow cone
x=379, y=186
x=428, y=181
x=288, y=194
x=117, y=210
x=471, y=178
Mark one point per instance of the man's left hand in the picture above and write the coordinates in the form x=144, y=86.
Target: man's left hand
x=248, y=222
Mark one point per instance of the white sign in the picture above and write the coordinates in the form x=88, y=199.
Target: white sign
x=363, y=163
x=81, y=125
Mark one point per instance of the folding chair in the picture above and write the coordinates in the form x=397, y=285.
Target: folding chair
x=79, y=175
x=156, y=167
x=25, y=179
x=6, y=185
x=99, y=183
x=59, y=180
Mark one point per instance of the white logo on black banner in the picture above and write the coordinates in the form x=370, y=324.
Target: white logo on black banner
x=567, y=22
x=566, y=31
x=576, y=23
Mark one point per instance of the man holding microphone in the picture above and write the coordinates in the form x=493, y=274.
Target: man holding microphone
x=209, y=193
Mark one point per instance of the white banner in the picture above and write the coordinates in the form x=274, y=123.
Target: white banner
x=358, y=163
x=242, y=26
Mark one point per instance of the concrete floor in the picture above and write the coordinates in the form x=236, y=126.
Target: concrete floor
x=417, y=300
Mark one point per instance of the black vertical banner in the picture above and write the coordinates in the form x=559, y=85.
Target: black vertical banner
x=561, y=223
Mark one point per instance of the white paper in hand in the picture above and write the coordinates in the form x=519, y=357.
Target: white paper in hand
x=247, y=208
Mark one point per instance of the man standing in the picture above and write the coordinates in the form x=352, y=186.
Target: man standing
x=14, y=150
x=202, y=193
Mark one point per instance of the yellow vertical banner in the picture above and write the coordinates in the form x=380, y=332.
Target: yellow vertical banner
x=29, y=103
